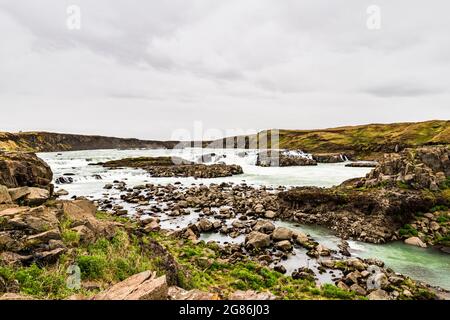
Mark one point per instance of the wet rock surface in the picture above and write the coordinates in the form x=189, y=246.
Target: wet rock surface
x=283, y=159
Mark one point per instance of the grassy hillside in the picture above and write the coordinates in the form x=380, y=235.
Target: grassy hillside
x=366, y=141
x=373, y=137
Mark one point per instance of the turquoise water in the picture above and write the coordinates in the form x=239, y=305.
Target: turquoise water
x=424, y=264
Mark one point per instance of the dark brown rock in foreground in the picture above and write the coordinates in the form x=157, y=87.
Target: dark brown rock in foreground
x=19, y=169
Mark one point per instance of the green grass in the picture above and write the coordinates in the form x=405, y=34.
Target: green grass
x=225, y=277
x=105, y=261
x=334, y=292
x=408, y=231
x=439, y=208
x=37, y=282
x=108, y=261
x=403, y=185
x=446, y=184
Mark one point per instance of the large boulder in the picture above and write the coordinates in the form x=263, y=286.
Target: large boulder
x=257, y=240
x=415, y=241
x=264, y=226
x=282, y=233
x=18, y=193
x=19, y=169
x=34, y=234
x=141, y=286
x=378, y=295
x=30, y=195
x=204, y=225
x=36, y=196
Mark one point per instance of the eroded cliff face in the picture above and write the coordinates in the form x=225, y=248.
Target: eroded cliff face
x=52, y=142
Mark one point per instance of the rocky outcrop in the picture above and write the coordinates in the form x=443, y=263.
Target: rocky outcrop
x=374, y=208
x=35, y=234
x=141, y=286
x=332, y=157
x=175, y=167
x=19, y=169
x=361, y=165
x=283, y=159
x=366, y=215
x=421, y=168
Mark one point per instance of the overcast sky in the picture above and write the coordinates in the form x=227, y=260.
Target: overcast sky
x=145, y=68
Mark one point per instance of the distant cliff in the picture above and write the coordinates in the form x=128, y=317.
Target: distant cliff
x=52, y=142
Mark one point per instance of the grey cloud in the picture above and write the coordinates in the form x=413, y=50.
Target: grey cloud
x=239, y=63
x=401, y=90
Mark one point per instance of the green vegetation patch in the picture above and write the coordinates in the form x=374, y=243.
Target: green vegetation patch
x=408, y=231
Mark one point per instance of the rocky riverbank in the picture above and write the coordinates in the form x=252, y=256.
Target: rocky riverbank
x=146, y=242
x=175, y=167
x=241, y=210
x=69, y=250
x=60, y=249
x=376, y=208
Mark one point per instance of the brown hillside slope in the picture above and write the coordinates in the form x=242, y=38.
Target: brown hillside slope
x=366, y=141
x=48, y=142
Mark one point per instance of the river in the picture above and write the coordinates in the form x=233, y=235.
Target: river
x=428, y=265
